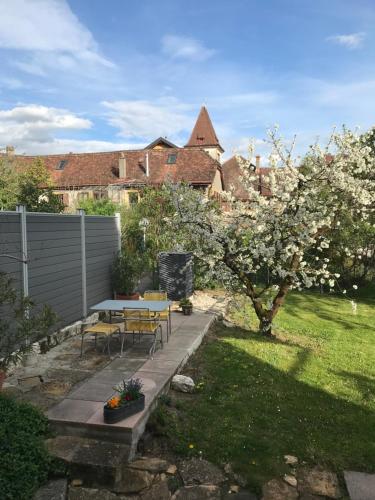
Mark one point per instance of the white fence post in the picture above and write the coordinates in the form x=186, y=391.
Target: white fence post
x=25, y=265
x=83, y=258
x=118, y=226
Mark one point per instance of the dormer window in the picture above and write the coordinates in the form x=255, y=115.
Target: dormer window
x=172, y=158
x=61, y=165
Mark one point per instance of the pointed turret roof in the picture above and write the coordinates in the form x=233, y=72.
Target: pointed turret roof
x=203, y=134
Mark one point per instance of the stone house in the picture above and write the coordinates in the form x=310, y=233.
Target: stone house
x=121, y=175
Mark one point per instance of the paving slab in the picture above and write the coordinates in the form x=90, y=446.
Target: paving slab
x=74, y=410
x=81, y=412
x=361, y=486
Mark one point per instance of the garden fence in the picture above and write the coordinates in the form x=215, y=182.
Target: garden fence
x=61, y=260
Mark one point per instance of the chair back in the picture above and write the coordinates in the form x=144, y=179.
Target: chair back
x=139, y=313
x=155, y=295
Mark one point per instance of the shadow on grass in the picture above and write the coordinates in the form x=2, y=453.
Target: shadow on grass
x=251, y=414
x=365, y=385
x=323, y=307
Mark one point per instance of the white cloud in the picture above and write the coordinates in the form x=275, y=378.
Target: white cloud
x=32, y=129
x=33, y=123
x=146, y=119
x=181, y=47
x=47, y=32
x=350, y=41
x=55, y=146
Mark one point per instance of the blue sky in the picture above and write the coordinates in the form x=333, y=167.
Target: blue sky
x=91, y=75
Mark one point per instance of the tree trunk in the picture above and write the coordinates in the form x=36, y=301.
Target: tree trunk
x=265, y=327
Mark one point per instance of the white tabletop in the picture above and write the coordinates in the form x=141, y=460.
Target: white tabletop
x=119, y=305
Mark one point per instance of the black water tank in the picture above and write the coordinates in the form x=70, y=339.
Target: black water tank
x=176, y=274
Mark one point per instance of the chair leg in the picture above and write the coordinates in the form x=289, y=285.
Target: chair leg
x=122, y=344
x=108, y=343
x=152, y=349
x=82, y=345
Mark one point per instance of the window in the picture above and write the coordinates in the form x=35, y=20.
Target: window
x=61, y=165
x=83, y=196
x=100, y=195
x=133, y=197
x=172, y=158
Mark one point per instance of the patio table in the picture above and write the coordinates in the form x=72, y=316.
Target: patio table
x=119, y=305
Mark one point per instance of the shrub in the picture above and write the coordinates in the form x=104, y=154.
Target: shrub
x=24, y=461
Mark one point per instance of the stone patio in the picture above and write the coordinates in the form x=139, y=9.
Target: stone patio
x=80, y=413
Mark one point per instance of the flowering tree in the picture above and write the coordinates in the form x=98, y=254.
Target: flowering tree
x=287, y=231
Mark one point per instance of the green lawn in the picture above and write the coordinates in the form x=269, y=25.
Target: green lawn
x=309, y=392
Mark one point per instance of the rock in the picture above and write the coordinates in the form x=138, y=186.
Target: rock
x=53, y=490
x=361, y=486
x=240, y=480
x=234, y=488
x=277, y=489
x=150, y=464
x=96, y=463
x=309, y=496
x=318, y=482
x=158, y=491
x=133, y=481
x=288, y=478
x=30, y=382
x=210, y=492
x=228, y=469
x=196, y=471
x=241, y=495
x=172, y=469
x=76, y=482
x=91, y=494
x=228, y=324
x=290, y=460
x=56, y=388
x=182, y=383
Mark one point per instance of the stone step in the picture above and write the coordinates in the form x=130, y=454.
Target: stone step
x=95, y=463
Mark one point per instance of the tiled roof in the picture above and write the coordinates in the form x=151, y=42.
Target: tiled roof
x=193, y=166
x=203, y=133
x=232, y=177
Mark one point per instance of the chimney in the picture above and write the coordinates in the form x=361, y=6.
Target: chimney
x=257, y=161
x=9, y=150
x=122, y=166
x=147, y=166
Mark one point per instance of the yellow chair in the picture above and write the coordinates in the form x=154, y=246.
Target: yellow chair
x=163, y=315
x=142, y=322
x=105, y=329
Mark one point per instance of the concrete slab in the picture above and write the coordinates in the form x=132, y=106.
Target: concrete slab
x=73, y=410
x=127, y=363
x=92, y=391
x=361, y=486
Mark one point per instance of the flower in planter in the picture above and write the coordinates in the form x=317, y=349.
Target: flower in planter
x=127, y=391
x=114, y=402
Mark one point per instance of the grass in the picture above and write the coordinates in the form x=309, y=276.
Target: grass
x=309, y=392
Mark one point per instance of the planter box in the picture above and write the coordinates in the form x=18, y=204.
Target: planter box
x=122, y=296
x=113, y=415
x=187, y=310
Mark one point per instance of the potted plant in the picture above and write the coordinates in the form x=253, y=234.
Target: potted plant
x=186, y=306
x=128, y=401
x=125, y=273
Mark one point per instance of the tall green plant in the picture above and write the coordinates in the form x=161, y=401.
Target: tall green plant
x=99, y=207
x=35, y=189
x=20, y=323
x=9, y=185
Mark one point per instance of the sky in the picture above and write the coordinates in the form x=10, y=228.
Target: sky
x=94, y=75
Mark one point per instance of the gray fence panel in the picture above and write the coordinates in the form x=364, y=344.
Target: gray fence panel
x=64, y=292
x=101, y=248
x=55, y=259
